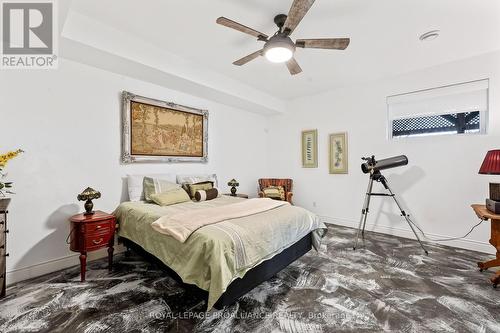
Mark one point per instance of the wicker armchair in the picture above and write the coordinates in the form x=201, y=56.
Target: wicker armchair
x=286, y=183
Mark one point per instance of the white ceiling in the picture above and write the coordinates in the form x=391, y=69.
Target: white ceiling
x=384, y=36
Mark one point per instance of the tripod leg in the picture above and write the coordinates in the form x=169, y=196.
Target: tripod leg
x=367, y=206
x=416, y=235
x=364, y=211
x=406, y=218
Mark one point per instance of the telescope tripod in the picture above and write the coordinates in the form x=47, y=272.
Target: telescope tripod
x=378, y=177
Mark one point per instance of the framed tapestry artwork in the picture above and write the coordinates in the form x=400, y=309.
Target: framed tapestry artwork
x=338, y=153
x=310, y=149
x=158, y=131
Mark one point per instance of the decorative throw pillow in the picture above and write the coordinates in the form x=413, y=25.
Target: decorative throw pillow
x=202, y=195
x=170, y=198
x=156, y=185
x=135, y=184
x=274, y=192
x=192, y=188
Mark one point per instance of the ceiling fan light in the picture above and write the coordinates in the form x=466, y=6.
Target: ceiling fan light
x=278, y=54
x=279, y=48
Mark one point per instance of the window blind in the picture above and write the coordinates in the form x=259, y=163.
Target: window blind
x=459, y=98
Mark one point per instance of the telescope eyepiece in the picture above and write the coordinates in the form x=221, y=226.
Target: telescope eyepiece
x=369, y=160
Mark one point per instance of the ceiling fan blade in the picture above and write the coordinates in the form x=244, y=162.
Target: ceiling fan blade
x=324, y=43
x=248, y=58
x=297, y=12
x=293, y=66
x=240, y=27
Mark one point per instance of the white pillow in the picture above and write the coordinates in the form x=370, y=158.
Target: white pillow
x=134, y=184
x=197, y=178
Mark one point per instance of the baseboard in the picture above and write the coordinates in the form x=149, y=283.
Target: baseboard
x=29, y=272
x=468, y=244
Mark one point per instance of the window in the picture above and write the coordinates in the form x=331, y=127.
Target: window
x=456, y=109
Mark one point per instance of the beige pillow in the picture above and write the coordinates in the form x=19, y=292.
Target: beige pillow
x=170, y=197
x=155, y=186
x=275, y=192
x=197, y=178
x=135, y=184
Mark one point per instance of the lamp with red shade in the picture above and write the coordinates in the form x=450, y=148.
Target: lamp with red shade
x=491, y=166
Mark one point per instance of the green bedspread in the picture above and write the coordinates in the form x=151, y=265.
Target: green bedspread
x=214, y=255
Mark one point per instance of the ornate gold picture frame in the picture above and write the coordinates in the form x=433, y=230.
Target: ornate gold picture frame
x=158, y=131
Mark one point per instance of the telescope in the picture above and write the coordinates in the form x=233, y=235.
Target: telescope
x=387, y=163
x=373, y=167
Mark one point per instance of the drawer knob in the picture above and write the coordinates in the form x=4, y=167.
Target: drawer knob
x=7, y=254
x=98, y=227
x=6, y=231
x=97, y=241
x=2, y=222
x=2, y=247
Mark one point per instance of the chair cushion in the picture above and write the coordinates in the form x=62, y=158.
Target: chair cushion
x=285, y=182
x=274, y=192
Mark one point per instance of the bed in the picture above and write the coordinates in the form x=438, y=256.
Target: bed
x=229, y=258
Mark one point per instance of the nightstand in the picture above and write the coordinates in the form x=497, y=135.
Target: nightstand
x=90, y=233
x=238, y=195
x=484, y=214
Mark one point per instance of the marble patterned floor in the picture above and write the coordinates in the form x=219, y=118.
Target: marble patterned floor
x=389, y=285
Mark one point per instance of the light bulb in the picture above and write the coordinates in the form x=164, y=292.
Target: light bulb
x=279, y=54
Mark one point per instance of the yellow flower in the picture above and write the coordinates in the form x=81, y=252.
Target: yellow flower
x=8, y=156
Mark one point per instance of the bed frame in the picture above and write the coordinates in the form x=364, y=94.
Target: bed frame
x=239, y=287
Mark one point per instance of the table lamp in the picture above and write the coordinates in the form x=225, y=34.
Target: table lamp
x=88, y=195
x=491, y=166
x=233, y=183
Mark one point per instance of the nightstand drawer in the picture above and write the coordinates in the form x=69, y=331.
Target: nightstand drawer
x=98, y=227
x=96, y=241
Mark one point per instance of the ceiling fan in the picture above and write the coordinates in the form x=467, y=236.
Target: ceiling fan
x=280, y=48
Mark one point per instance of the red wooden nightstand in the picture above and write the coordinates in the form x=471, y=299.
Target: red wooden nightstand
x=90, y=233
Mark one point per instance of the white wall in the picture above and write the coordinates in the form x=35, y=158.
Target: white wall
x=438, y=185
x=68, y=122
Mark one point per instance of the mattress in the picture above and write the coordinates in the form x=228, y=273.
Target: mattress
x=215, y=255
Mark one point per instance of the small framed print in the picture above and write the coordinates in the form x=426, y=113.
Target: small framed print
x=310, y=149
x=338, y=153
